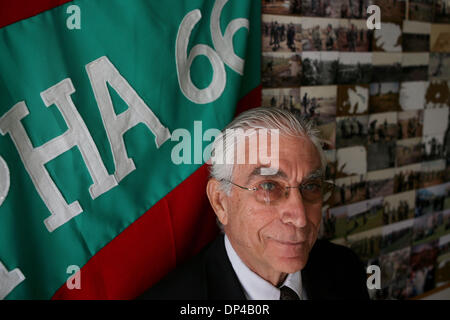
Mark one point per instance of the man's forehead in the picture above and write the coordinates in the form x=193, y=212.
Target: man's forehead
x=281, y=160
x=267, y=171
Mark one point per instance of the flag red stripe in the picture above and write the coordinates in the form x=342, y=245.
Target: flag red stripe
x=12, y=11
x=175, y=228
x=253, y=99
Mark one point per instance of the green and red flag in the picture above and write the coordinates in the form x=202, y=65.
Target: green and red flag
x=106, y=111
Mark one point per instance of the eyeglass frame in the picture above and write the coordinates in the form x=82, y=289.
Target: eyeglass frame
x=331, y=188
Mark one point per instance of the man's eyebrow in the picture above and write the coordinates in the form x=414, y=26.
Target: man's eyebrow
x=314, y=175
x=257, y=172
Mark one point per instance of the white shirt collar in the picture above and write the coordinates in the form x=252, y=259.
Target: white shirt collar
x=255, y=287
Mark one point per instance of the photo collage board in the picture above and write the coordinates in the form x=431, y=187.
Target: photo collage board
x=381, y=100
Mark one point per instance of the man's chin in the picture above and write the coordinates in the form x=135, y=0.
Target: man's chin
x=290, y=264
x=290, y=250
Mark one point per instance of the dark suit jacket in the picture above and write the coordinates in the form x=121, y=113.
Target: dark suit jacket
x=332, y=272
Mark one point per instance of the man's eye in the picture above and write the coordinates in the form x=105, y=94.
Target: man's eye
x=268, y=186
x=311, y=187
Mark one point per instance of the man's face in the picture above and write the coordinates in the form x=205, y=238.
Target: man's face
x=275, y=237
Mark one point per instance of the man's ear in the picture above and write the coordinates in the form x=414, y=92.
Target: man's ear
x=217, y=198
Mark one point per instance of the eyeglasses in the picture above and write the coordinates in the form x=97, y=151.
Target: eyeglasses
x=273, y=192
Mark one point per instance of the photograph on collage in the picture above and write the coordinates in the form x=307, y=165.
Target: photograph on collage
x=386, y=66
x=438, y=94
x=351, y=161
x=365, y=244
x=354, y=68
x=351, y=131
x=435, y=121
x=409, y=151
x=281, y=69
x=415, y=66
x=383, y=127
x=421, y=10
x=432, y=173
x=432, y=199
x=440, y=38
x=335, y=8
x=384, y=97
x=315, y=8
x=423, y=265
x=319, y=68
x=281, y=6
x=433, y=147
x=283, y=98
x=399, y=207
x=439, y=68
x=354, y=36
x=395, y=269
x=416, y=36
x=429, y=227
x=319, y=34
x=380, y=183
x=412, y=95
x=280, y=33
x=352, y=100
x=318, y=103
x=350, y=190
x=408, y=177
x=364, y=215
x=442, y=11
x=388, y=38
x=381, y=155
x=334, y=222
x=396, y=235
x=410, y=124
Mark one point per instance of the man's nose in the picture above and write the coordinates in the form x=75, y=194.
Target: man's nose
x=293, y=210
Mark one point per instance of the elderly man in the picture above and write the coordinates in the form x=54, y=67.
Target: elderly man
x=270, y=213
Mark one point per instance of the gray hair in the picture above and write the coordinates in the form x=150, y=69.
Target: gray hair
x=261, y=118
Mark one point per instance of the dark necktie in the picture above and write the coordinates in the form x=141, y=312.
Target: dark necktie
x=287, y=293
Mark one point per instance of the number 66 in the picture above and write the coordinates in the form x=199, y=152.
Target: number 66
x=225, y=53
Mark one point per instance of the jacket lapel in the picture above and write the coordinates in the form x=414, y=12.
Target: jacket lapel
x=222, y=282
